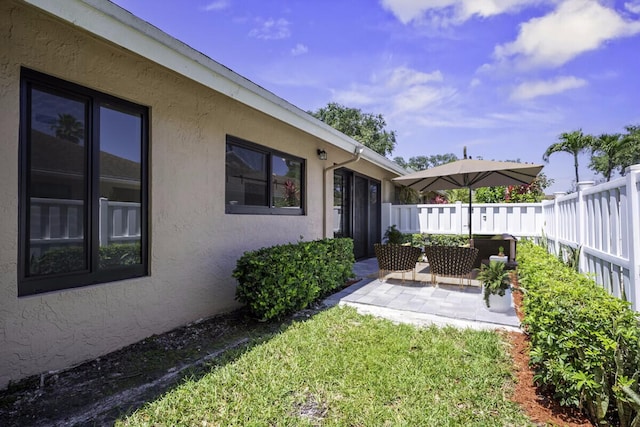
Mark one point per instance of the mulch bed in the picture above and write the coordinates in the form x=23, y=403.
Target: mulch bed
x=536, y=402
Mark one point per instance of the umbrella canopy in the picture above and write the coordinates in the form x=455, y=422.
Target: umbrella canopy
x=470, y=173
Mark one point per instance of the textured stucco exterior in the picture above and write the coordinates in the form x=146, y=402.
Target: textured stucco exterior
x=193, y=244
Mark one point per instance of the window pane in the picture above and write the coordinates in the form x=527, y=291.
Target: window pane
x=286, y=182
x=120, y=188
x=246, y=177
x=57, y=185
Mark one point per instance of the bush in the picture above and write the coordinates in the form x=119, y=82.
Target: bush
x=72, y=258
x=424, y=239
x=585, y=343
x=281, y=279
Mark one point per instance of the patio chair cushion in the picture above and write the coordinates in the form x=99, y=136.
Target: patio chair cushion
x=450, y=260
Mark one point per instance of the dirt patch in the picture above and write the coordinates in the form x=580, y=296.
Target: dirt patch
x=100, y=390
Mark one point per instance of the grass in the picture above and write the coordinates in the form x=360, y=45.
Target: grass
x=343, y=369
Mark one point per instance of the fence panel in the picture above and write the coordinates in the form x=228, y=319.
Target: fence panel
x=56, y=222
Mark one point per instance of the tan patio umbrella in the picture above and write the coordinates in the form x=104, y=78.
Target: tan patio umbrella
x=470, y=173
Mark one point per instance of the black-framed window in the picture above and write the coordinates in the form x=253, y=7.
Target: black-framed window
x=83, y=186
x=259, y=180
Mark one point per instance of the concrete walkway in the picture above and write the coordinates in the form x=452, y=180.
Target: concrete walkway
x=421, y=302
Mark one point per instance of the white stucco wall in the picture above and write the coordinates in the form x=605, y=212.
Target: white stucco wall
x=193, y=244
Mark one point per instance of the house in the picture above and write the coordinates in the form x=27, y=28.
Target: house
x=135, y=172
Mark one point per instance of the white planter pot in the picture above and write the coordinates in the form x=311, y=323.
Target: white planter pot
x=500, y=304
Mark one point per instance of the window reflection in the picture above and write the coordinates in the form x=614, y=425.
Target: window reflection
x=57, y=188
x=120, y=187
x=286, y=182
x=246, y=177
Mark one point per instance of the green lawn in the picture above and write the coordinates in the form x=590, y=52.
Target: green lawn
x=341, y=368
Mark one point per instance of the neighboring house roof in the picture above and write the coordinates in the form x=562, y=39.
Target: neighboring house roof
x=55, y=155
x=117, y=25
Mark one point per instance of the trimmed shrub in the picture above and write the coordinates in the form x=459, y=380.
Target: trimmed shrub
x=585, y=343
x=281, y=279
x=425, y=239
x=72, y=258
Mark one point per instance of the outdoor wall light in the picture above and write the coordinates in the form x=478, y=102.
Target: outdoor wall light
x=322, y=155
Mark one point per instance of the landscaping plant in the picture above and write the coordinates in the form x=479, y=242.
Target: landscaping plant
x=585, y=343
x=495, y=280
x=281, y=279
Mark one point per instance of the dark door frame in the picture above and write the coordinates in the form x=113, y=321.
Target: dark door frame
x=372, y=230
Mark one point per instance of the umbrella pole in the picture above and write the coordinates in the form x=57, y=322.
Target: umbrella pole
x=470, y=238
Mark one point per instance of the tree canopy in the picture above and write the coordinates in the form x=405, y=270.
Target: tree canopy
x=570, y=142
x=420, y=163
x=610, y=152
x=366, y=128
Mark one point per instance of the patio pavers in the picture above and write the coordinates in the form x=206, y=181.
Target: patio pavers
x=421, y=302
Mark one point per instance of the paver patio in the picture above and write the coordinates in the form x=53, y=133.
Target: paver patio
x=420, y=301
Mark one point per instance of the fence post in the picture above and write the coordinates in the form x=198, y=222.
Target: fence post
x=104, y=221
x=556, y=221
x=633, y=174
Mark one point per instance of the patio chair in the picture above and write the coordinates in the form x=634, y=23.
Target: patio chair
x=392, y=257
x=456, y=261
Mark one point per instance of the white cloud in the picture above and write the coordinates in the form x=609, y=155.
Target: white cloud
x=404, y=90
x=216, y=5
x=403, y=76
x=534, y=89
x=475, y=82
x=354, y=96
x=455, y=11
x=299, y=49
x=272, y=29
x=633, y=6
x=575, y=27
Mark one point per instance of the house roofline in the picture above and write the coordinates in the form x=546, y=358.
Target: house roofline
x=115, y=24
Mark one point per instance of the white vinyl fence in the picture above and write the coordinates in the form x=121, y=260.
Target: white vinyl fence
x=518, y=219
x=55, y=222
x=601, y=221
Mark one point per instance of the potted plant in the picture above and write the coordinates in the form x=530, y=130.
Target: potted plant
x=393, y=235
x=501, y=251
x=496, y=284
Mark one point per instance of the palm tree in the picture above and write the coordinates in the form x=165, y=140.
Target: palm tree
x=69, y=128
x=605, y=151
x=573, y=143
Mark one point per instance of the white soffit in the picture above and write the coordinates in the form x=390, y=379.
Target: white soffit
x=111, y=22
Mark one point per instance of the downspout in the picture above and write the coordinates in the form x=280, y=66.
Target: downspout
x=356, y=156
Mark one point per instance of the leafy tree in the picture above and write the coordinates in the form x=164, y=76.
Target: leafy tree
x=605, y=154
x=366, y=128
x=630, y=154
x=527, y=193
x=69, y=128
x=420, y=163
x=458, y=195
x=573, y=143
x=490, y=194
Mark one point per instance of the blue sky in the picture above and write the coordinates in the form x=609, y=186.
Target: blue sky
x=502, y=77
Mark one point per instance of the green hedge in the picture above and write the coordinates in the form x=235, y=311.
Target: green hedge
x=281, y=279
x=72, y=258
x=424, y=239
x=585, y=343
